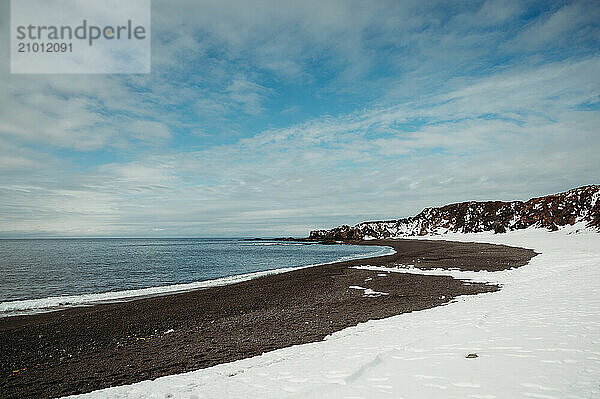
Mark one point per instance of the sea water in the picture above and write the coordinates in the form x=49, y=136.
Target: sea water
x=48, y=274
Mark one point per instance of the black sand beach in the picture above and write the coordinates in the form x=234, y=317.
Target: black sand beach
x=83, y=349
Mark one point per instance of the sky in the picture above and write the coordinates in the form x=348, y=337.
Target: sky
x=273, y=118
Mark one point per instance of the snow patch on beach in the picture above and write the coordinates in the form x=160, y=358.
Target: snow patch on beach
x=482, y=276
x=538, y=337
x=368, y=292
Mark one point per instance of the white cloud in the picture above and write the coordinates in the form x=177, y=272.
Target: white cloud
x=248, y=94
x=434, y=135
x=554, y=29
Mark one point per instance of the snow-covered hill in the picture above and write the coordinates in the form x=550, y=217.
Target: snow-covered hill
x=552, y=211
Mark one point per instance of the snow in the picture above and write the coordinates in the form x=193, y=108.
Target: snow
x=368, y=292
x=484, y=276
x=539, y=337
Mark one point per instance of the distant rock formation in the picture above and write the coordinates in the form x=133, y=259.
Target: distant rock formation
x=552, y=211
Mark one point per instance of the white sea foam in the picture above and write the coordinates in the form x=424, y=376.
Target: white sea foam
x=29, y=306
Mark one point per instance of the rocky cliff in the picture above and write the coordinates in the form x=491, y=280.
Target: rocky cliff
x=552, y=211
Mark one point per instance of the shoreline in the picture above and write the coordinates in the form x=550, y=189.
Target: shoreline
x=82, y=349
x=28, y=307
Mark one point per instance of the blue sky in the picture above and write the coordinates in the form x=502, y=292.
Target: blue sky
x=273, y=118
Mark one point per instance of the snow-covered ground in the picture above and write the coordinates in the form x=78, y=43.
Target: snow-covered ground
x=539, y=337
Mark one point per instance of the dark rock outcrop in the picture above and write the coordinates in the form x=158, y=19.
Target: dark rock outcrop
x=551, y=212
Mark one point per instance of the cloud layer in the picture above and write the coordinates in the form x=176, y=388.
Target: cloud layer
x=279, y=118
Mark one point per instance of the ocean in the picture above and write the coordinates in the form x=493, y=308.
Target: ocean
x=39, y=275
